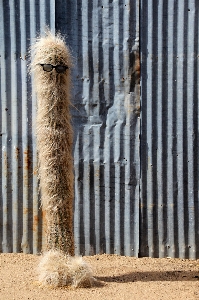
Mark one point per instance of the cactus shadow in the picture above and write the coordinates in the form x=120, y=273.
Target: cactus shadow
x=151, y=276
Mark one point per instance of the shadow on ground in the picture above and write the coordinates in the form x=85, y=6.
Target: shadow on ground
x=152, y=276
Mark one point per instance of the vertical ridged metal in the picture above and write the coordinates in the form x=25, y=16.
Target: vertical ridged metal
x=106, y=153
x=25, y=245
x=35, y=203
x=101, y=35
x=169, y=129
x=20, y=214
x=136, y=189
x=4, y=136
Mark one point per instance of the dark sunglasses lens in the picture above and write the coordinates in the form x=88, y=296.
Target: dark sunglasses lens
x=60, y=69
x=47, y=67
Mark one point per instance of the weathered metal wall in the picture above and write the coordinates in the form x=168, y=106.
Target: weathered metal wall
x=103, y=37
x=107, y=134
x=136, y=188
x=20, y=216
x=169, y=215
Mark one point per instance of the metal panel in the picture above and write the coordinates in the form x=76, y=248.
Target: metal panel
x=106, y=122
x=103, y=37
x=20, y=217
x=169, y=136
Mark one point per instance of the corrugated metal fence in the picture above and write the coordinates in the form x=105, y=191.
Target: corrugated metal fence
x=169, y=215
x=136, y=187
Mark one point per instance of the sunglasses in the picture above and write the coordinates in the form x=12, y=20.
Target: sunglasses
x=58, y=68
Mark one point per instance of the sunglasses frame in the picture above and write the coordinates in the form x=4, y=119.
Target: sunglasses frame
x=54, y=67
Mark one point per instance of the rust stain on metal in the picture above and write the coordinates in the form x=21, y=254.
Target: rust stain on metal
x=17, y=151
x=27, y=161
x=134, y=68
x=133, y=105
x=25, y=211
x=35, y=223
x=137, y=67
x=44, y=220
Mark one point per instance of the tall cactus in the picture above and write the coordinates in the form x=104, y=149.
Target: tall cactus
x=54, y=138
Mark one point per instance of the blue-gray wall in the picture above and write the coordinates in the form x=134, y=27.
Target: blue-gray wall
x=136, y=179
x=169, y=207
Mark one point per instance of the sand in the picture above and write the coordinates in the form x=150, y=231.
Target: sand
x=117, y=277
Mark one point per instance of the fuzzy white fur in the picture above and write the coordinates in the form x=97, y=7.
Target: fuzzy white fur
x=54, y=144
x=57, y=270
x=54, y=140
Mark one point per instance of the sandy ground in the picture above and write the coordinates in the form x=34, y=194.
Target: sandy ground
x=117, y=277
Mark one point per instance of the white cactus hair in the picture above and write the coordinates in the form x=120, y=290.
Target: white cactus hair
x=58, y=270
x=54, y=139
x=43, y=45
x=54, y=144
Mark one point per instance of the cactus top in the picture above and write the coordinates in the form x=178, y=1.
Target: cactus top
x=50, y=50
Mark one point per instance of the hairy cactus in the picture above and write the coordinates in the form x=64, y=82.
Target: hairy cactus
x=54, y=138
